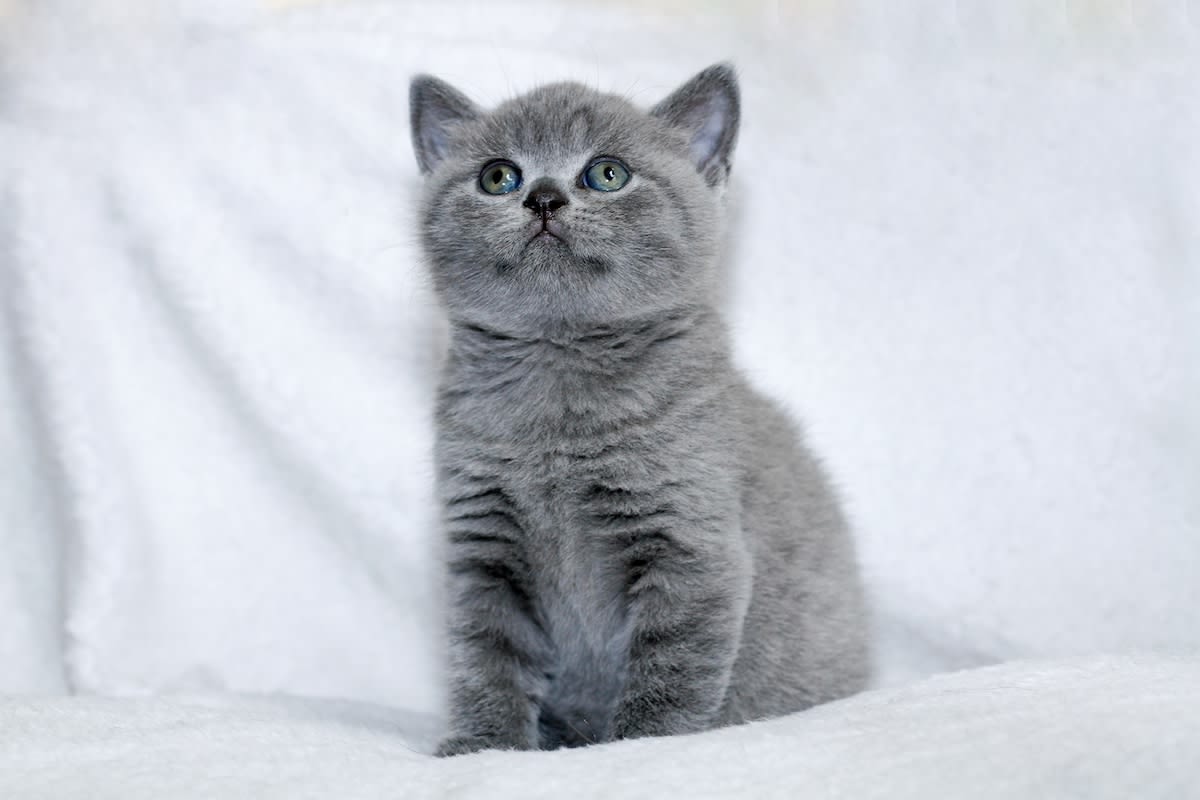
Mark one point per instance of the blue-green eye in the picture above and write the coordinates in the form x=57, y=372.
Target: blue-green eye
x=606, y=175
x=499, y=177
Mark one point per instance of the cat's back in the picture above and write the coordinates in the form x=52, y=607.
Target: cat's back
x=786, y=486
x=805, y=639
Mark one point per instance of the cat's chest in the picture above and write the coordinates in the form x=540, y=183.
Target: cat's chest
x=577, y=482
x=576, y=563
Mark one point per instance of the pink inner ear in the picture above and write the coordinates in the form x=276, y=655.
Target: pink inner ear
x=436, y=123
x=707, y=137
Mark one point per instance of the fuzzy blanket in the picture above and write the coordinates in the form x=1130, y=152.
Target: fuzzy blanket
x=1100, y=729
x=966, y=245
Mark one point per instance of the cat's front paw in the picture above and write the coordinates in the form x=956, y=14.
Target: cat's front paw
x=462, y=745
x=640, y=720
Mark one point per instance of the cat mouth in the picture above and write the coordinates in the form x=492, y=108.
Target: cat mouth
x=546, y=231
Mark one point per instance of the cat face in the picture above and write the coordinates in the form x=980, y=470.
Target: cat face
x=566, y=207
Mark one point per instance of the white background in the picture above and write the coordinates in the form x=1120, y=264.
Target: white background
x=967, y=253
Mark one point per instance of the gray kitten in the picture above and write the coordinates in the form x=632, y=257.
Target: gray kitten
x=639, y=544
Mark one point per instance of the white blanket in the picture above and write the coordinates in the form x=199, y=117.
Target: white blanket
x=1099, y=729
x=965, y=249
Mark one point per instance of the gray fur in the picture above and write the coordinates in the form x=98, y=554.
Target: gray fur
x=639, y=543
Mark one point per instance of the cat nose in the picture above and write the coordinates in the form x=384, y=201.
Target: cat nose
x=544, y=200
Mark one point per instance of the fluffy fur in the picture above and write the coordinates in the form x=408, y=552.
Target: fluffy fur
x=639, y=543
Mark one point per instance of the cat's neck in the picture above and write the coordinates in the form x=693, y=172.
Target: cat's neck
x=615, y=346
x=581, y=380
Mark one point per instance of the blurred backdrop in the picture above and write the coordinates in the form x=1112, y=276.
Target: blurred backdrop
x=965, y=250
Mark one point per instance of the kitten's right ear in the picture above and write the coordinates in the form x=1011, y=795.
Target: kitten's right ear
x=435, y=108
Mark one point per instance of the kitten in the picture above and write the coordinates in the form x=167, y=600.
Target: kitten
x=639, y=544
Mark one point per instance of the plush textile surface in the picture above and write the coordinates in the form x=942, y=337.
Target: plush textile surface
x=966, y=251
x=1112, y=728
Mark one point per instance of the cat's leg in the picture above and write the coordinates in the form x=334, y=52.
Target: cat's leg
x=688, y=596
x=498, y=650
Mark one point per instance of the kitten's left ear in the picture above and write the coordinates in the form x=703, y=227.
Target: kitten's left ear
x=707, y=108
x=435, y=108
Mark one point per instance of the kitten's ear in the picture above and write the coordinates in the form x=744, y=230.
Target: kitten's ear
x=435, y=107
x=706, y=108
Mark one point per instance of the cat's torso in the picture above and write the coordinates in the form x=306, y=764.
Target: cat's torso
x=593, y=456
x=588, y=445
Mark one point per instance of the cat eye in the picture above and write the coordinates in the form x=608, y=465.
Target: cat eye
x=499, y=177
x=606, y=175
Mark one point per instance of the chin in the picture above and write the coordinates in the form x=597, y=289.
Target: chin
x=548, y=255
